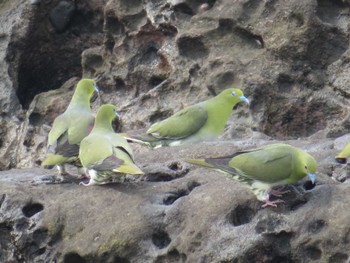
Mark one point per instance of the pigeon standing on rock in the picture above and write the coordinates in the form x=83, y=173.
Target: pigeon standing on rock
x=200, y=122
x=264, y=168
x=103, y=153
x=70, y=128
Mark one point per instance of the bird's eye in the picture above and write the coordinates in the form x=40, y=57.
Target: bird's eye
x=233, y=93
x=305, y=167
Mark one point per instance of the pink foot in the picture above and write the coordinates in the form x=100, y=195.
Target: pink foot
x=272, y=203
x=84, y=176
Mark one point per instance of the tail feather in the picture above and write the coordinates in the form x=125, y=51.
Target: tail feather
x=344, y=154
x=200, y=162
x=53, y=159
x=129, y=169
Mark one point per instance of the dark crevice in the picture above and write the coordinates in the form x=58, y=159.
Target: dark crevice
x=32, y=209
x=172, y=197
x=308, y=185
x=47, y=58
x=73, y=257
x=161, y=239
x=241, y=215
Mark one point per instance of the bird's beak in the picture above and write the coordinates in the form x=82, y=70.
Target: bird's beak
x=312, y=177
x=118, y=115
x=243, y=98
x=97, y=89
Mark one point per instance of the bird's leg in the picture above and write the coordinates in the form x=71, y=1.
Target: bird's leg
x=272, y=203
x=278, y=192
x=61, y=169
x=83, y=173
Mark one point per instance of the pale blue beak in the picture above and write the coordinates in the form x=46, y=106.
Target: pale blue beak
x=243, y=98
x=97, y=89
x=312, y=177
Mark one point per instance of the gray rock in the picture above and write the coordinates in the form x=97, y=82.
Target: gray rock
x=197, y=216
x=61, y=15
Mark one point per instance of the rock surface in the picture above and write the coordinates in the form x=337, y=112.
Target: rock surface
x=184, y=214
x=152, y=58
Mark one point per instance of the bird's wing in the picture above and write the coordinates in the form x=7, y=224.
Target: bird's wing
x=182, y=124
x=81, y=124
x=270, y=164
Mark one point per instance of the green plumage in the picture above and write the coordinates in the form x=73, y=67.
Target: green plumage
x=200, y=122
x=103, y=153
x=71, y=127
x=264, y=168
x=344, y=154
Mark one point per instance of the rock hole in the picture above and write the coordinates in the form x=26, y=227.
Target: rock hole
x=40, y=235
x=40, y=251
x=172, y=197
x=42, y=64
x=316, y=226
x=161, y=239
x=61, y=15
x=118, y=259
x=308, y=185
x=183, y=8
x=313, y=253
x=341, y=160
x=35, y=119
x=120, y=84
x=21, y=224
x=113, y=26
x=193, y=184
x=175, y=166
x=338, y=258
x=155, y=81
x=172, y=257
x=255, y=41
x=150, y=55
x=94, y=61
x=73, y=257
x=168, y=29
x=32, y=209
x=192, y=48
x=241, y=215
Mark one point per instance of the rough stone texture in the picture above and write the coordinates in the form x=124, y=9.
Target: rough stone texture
x=152, y=58
x=188, y=214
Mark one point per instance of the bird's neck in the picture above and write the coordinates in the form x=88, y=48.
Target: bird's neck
x=80, y=100
x=103, y=124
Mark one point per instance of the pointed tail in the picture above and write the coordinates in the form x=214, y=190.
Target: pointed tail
x=200, y=162
x=344, y=154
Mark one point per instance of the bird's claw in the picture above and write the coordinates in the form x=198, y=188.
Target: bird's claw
x=84, y=176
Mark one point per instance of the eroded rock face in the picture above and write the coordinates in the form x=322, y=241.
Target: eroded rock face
x=186, y=214
x=152, y=58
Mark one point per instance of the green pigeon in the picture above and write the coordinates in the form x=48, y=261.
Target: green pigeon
x=104, y=154
x=200, y=122
x=343, y=155
x=264, y=168
x=70, y=128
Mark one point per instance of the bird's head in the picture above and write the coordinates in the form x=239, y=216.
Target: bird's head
x=233, y=96
x=310, y=166
x=87, y=86
x=107, y=112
